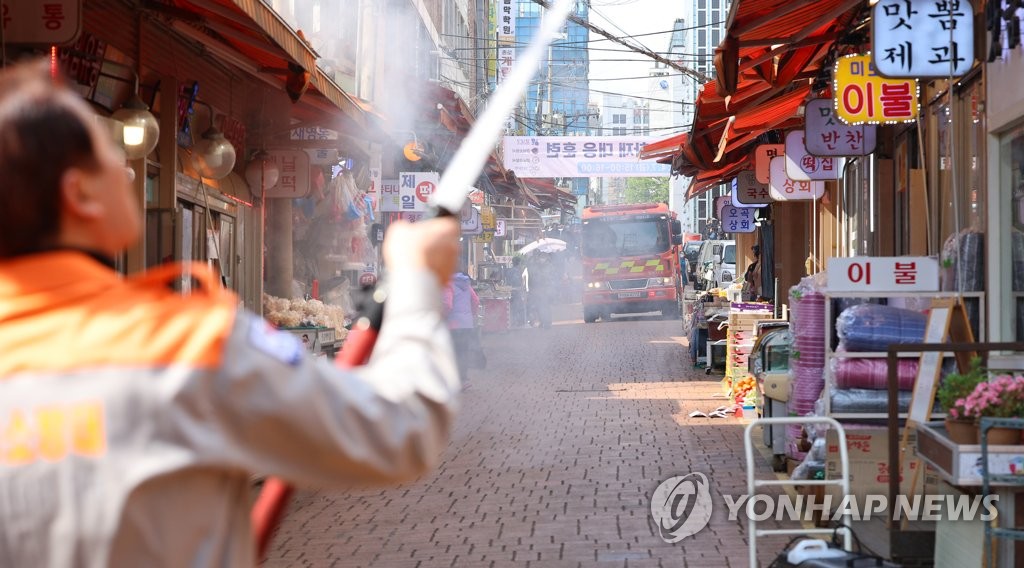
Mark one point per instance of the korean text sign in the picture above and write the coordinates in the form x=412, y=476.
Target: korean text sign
x=747, y=191
x=506, y=57
x=49, y=22
x=827, y=136
x=738, y=219
x=507, y=18
x=390, y=200
x=415, y=189
x=293, y=183
x=918, y=38
x=802, y=166
x=782, y=188
x=865, y=97
x=579, y=156
x=763, y=155
x=883, y=274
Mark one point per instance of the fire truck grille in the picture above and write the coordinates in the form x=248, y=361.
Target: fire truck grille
x=628, y=284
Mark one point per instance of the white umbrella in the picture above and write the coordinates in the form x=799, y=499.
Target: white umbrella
x=543, y=245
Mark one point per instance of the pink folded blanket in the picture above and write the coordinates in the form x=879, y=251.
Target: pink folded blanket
x=873, y=373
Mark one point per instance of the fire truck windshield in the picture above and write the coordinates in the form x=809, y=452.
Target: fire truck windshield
x=628, y=237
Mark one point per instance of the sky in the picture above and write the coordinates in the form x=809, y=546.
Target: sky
x=629, y=17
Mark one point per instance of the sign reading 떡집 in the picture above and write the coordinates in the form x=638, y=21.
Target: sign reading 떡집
x=579, y=156
x=782, y=188
x=415, y=189
x=763, y=155
x=802, y=166
x=827, y=136
x=883, y=274
x=748, y=191
x=865, y=97
x=923, y=38
x=738, y=219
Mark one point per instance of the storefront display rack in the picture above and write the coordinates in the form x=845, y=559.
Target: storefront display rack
x=978, y=298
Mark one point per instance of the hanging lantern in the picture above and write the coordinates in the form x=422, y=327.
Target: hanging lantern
x=262, y=173
x=214, y=156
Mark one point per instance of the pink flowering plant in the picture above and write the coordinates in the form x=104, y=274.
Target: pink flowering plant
x=956, y=387
x=1000, y=397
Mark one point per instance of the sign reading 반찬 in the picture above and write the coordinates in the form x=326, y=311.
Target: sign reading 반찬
x=828, y=136
x=864, y=97
x=883, y=274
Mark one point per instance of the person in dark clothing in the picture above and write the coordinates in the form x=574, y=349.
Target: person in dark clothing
x=513, y=276
x=539, y=284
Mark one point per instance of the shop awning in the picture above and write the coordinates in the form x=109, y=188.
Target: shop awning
x=549, y=194
x=248, y=34
x=664, y=148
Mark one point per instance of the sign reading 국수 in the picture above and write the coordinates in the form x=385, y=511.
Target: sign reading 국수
x=864, y=97
x=883, y=274
x=827, y=136
x=748, y=192
x=923, y=38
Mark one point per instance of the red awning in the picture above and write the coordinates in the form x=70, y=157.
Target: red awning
x=663, y=148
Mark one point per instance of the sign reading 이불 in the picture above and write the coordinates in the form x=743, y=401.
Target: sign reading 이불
x=923, y=38
x=865, y=97
x=827, y=136
x=883, y=274
x=579, y=156
x=415, y=189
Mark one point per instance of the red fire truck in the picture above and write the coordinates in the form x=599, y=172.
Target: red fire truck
x=631, y=261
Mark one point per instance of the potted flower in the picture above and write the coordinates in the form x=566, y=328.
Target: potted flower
x=1000, y=397
x=952, y=395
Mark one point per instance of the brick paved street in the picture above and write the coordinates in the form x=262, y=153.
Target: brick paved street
x=555, y=455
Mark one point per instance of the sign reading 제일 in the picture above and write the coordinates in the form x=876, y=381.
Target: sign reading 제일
x=883, y=274
x=415, y=189
x=864, y=97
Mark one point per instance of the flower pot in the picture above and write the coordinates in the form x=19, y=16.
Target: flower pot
x=1003, y=436
x=962, y=431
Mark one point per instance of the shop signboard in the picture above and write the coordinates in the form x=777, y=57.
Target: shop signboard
x=747, y=191
x=507, y=19
x=580, y=156
x=802, y=166
x=883, y=274
x=863, y=96
x=782, y=188
x=721, y=202
x=738, y=219
x=499, y=228
x=376, y=173
x=763, y=155
x=415, y=189
x=828, y=136
x=470, y=221
x=390, y=200
x=922, y=38
x=53, y=22
x=323, y=156
x=506, y=57
x=293, y=183
x=488, y=219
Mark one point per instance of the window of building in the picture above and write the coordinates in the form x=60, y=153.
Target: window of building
x=1011, y=176
x=619, y=131
x=619, y=118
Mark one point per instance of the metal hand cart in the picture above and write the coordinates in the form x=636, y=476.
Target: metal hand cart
x=752, y=484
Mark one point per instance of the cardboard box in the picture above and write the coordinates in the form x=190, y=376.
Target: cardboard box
x=868, y=450
x=776, y=386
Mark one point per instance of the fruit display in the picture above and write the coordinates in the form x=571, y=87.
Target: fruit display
x=744, y=389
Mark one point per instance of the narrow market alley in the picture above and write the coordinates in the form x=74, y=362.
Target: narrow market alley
x=556, y=453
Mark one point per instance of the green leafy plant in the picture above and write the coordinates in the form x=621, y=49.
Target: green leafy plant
x=956, y=387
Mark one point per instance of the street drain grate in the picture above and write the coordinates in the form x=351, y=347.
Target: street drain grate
x=605, y=389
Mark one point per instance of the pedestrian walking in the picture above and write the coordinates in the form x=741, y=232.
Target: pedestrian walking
x=132, y=417
x=540, y=284
x=752, y=276
x=462, y=307
x=513, y=277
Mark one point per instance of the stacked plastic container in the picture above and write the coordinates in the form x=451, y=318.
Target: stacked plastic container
x=807, y=362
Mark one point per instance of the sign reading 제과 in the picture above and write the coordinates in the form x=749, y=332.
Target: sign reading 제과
x=923, y=38
x=865, y=97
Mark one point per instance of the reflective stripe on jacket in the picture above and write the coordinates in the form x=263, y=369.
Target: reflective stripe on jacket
x=131, y=417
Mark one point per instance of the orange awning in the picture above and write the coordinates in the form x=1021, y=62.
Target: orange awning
x=663, y=148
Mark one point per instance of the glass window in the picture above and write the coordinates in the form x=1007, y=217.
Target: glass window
x=625, y=238
x=1011, y=158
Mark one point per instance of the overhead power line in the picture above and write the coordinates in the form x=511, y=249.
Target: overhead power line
x=668, y=62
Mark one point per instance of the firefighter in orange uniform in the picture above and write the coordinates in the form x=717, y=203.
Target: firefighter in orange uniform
x=131, y=417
